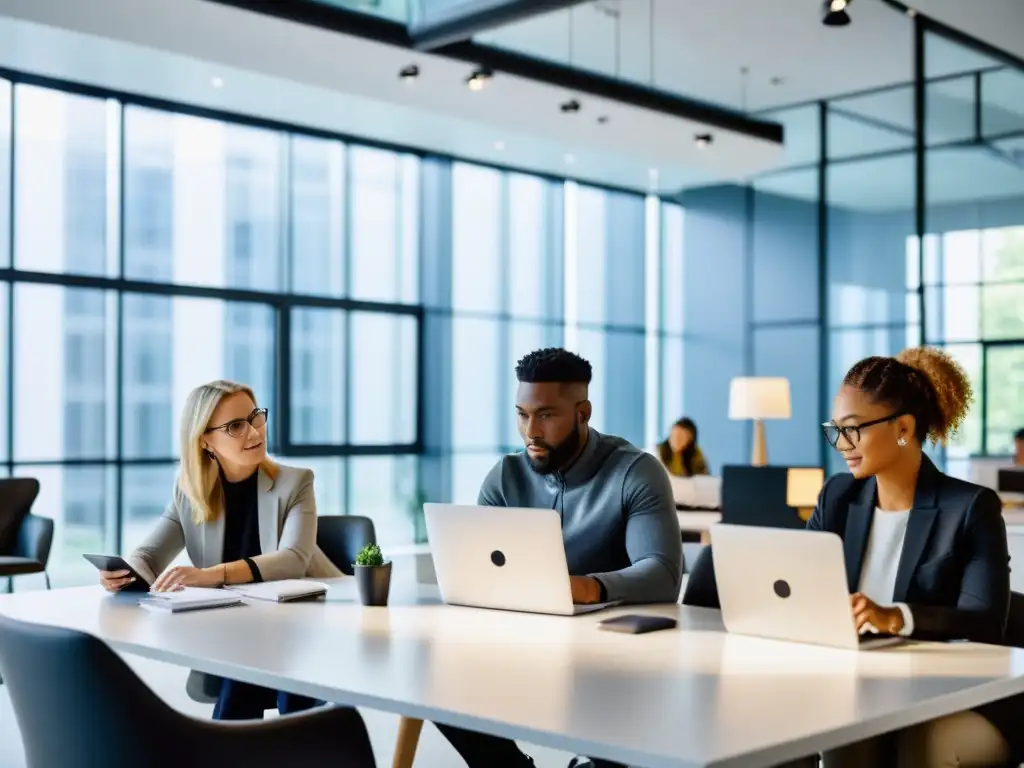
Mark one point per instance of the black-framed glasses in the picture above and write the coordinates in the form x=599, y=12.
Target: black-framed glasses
x=238, y=427
x=851, y=431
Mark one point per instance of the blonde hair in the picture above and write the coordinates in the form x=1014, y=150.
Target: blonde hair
x=198, y=474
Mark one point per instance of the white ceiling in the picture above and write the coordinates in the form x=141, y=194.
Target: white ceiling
x=698, y=47
x=172, y=49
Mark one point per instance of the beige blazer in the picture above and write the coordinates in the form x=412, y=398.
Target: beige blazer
x=287, y=524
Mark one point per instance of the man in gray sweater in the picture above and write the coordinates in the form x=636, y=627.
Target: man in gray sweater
x=619, y=522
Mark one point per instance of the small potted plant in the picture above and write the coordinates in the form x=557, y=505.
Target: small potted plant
x=373, y=576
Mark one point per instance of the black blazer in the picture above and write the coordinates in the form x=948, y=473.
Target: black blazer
x=954, y=571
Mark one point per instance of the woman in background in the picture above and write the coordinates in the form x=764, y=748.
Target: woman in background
x=242, y=518
x=680, y=453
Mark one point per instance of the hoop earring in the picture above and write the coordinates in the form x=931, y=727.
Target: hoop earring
x=209, y=454
x=902, y=442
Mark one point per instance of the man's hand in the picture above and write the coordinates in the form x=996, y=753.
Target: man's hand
x=886, y=620
x=585, y=590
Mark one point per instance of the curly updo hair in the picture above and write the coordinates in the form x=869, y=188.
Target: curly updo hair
x=923, y=382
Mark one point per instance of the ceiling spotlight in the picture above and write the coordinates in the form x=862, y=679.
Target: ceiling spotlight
x=500, y=146
x=409, y=74
x=216, y=82
x=570, y=159
x=478, y=79
x=570, y=107
x=834, y=13
x=703, y=140
x=602, y=120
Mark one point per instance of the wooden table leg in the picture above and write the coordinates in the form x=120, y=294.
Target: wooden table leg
x=408, y=739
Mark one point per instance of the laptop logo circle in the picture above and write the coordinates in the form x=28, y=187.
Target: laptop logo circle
x=498, y=558
x=782, y=589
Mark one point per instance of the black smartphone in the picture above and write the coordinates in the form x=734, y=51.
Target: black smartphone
x=115, y=563
x=634, y=624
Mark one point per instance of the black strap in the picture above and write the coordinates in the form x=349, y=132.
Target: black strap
x=256, y=575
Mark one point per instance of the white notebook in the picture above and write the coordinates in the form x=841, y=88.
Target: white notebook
x=189, y=599
x=281, y=591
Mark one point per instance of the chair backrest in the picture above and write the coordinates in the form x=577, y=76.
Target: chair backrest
x=35, y=538
x=340, y=537
x=701, y=587
x=17, y=495
x=757, y=496
x=1014, y=634
x=78, y=704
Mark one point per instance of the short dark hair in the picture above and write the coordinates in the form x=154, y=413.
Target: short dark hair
x=553, y=364
x=1019, y=434
x=923, y=382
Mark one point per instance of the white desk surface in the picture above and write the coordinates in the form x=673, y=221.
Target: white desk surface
x=698, y=522
x=695, y=697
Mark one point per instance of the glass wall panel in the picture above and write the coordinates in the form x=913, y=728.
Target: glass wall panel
x=174, y=344
x=203, y=201
x=318, y=383
x=974, y=215
x=64, y=373
x=65, y=183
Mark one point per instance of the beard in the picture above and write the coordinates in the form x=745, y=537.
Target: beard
x=558, y=455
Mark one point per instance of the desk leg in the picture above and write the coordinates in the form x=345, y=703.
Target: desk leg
x=408, y=739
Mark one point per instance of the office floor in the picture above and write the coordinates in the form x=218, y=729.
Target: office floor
x=169, y=682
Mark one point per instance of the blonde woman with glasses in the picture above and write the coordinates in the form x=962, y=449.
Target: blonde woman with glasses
x=240, y=516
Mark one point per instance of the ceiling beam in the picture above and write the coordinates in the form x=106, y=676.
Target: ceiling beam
x=367, y=26
x=459, y=21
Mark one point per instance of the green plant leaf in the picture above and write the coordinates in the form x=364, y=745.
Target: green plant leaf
x=370, y=555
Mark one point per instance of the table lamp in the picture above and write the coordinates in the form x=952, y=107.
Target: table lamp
x=802, y=488
x=759, y=398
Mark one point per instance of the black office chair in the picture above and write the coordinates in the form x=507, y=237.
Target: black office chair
x=701, y=587
x=1014, y=634
x=340, y=537
x=25, y=539
x=78, y=705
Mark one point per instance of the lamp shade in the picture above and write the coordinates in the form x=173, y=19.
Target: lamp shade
x=803, y=486
x=759, y=398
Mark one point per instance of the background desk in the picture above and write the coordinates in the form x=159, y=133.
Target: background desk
x=689, y=698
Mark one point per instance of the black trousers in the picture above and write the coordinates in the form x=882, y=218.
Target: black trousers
x=242, y=701
x=480, y=750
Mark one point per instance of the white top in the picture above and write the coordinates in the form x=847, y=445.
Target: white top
x=882, y=560
x=705, y=698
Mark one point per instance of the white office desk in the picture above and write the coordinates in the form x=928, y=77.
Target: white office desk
x=698, y=521
x=690, y=698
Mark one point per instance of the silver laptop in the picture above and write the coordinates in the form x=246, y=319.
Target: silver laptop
x=510, y=558
x=786, y=585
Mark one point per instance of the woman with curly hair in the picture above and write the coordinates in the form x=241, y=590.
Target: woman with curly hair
x=926, y=553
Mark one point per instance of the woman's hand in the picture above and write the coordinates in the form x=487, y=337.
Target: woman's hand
x=115, y=581
x=186, y=576
x=886, y=620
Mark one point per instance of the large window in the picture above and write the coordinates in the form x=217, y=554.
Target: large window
x=972, y=264
x=185, y=250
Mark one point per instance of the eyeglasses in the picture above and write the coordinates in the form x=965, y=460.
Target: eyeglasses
x=851, y=431
x=238, y=427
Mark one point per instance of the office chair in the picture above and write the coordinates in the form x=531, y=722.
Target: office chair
x=78, y=705
x=25, y=539
x=701, y=587
x=340, y=537
x=1014, y=634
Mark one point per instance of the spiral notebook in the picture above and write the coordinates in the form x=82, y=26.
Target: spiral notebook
x=190, y=599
